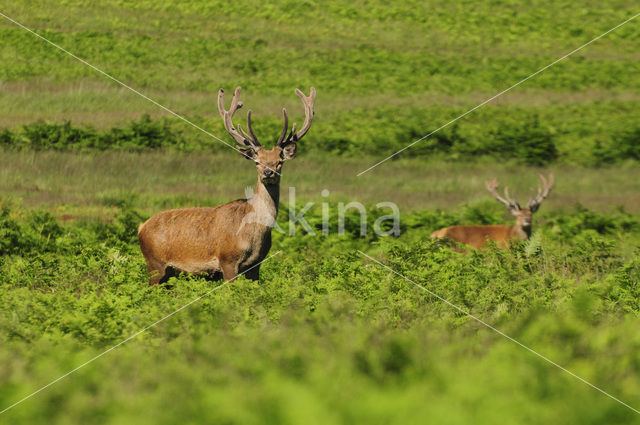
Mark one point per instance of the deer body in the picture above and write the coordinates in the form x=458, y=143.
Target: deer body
x=233, y=238
x=477, y=236
x=502, y=234
x=212, y=240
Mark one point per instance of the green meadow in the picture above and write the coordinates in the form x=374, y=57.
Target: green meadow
x=328, y=335
x=386, y=74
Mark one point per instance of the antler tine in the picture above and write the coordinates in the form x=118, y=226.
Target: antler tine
x=227, y=117
x=235, y=104
x=251, y=138
x=242, y=133
x=308, y=102
x=511, y=201
x=285, y=127
x=491, y=186
x=308, y=111
x=221, y=103
x=543, y=191
x=228, y=125
x=253, y=135
x=547, y=185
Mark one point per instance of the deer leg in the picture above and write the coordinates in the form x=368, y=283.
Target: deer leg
x=229, y=271
x=253, y=274
x=157, y=271
x=155, y=278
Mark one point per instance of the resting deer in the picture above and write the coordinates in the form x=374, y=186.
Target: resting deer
x=235, y=237
x=477, y=236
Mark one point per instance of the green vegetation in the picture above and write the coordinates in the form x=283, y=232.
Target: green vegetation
x=91, y=183
x=327, y=336
x=386, y=74
x=526, y=141
x=142, y=135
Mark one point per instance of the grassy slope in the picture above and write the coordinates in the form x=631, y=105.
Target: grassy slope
x=386, y=74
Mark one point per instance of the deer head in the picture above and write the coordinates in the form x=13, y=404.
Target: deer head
x=268, y=162
x=524, y=215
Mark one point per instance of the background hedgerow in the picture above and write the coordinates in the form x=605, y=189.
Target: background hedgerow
x=525, y=140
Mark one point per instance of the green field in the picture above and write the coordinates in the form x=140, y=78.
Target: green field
x=328, y=336
x=386, y=74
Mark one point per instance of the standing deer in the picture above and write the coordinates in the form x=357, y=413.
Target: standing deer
x=477, y=236
x=235, y=237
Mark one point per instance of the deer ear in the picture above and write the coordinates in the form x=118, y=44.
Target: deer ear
x=248, y=153
x=289, y=151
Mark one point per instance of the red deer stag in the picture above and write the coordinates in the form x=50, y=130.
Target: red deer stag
x=235, y=237
x=477, y=236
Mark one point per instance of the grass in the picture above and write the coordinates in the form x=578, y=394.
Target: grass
x=327, y=336
x=71, y=183
x=385, y=74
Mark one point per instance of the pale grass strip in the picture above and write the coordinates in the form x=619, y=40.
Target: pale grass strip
x=499, y=332
x=134, y=335
x=175, y=114
x=499, y=94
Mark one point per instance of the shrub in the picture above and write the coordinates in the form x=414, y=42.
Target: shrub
x=529, y=142
x=627, y=144
x=144, y=134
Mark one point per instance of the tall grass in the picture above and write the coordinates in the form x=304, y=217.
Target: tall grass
x=72, y=183
x=385, y=76
x=326, y=336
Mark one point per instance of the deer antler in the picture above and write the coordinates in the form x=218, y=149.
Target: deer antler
x=227, y=117
x=492, y=185
x=285, y=127
x=543, y=192
x=294, y=136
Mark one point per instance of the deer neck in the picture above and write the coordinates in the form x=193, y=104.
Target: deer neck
x=266, y=199
x=521, y=232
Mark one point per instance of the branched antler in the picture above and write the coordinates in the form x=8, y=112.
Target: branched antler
x=248, y=140
x=294, y=136
x=543, y=192
x=492, y=186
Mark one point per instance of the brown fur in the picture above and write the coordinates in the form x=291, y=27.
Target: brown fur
x=477, y=236
x=228, y=240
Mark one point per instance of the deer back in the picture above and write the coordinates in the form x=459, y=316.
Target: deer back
x=476, y=236
x=189, y=238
